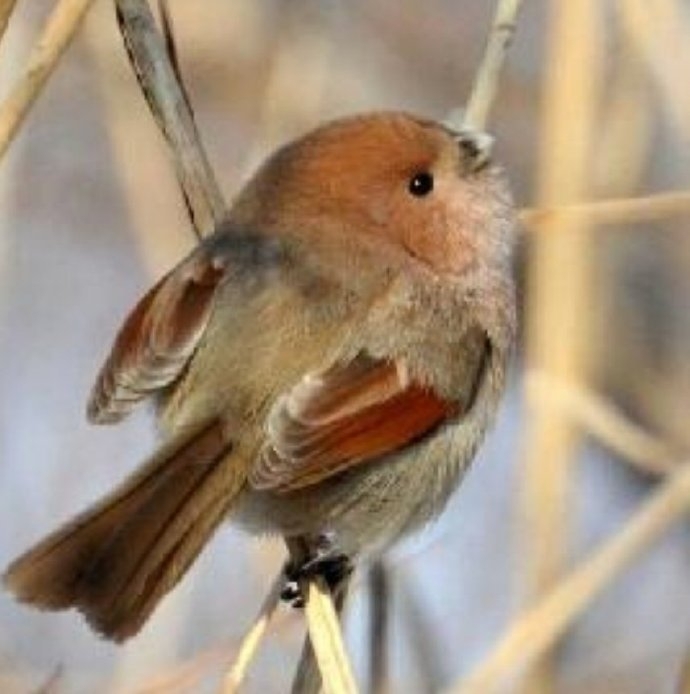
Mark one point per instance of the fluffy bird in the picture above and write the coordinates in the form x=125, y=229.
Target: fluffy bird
x=324, y=366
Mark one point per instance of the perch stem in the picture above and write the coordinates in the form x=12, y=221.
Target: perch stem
x=57, y=33
x=533, y=632
x=166, y=98
x=253, y=638
x=615, y=211
x=485, y=86
x=6, y=7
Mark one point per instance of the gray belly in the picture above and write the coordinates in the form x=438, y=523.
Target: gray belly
x=366, y=509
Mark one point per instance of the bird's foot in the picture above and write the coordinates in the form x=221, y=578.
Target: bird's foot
x=333, y=568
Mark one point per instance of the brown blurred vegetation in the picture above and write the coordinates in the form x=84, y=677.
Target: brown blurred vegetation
x=90, y=213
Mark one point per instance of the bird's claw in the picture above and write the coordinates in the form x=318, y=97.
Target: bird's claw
x=332, y=568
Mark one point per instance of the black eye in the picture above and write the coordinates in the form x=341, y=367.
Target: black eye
x=421, y=184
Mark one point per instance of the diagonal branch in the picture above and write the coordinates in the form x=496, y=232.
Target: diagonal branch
x=533, y=632
x=485, y=86
x=637, y=210
x=166, y=98
x=159, y=80
x=57, y=34
x=253, y=638
x=6, y=7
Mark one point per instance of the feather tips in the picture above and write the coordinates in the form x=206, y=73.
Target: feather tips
x=347, y=415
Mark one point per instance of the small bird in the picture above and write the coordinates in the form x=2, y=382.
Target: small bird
x=324, y=366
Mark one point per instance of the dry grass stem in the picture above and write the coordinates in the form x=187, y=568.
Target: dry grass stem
x=684, y=681
x=6, y=7
x=659, y=30
x=326, y=639
x=485, y=87
x=558, y=339
x=603, y=421
x=379, y=637
x=166, y=97
x=638, y=210
x=253, y=638
x=534, y=631
x=187, y=676
x=59, y=30
x=160, y=83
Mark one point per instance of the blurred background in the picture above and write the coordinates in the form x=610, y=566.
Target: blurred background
x=594, y=104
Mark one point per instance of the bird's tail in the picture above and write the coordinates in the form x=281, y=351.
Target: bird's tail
x=115, y=561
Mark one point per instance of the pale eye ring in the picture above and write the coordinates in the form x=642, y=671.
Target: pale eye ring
x=421, y=184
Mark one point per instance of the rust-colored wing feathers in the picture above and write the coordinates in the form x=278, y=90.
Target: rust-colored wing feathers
x=350, y=414
x=158, y=338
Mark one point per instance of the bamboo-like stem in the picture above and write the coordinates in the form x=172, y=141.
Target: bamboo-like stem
x=534, y=631
x=324, y=660
x=253, y=638
x=558, y=341
x=684, y=680
x=161, y=85
x=631, y=211
x=326, y=639
x=58, y=32
x=485, y=86
x=659, y=31
x=379, y=599
x=166, y=98
x=6, y=7
x=603, y=421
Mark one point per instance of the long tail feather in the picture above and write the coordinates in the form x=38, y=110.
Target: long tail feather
x=115, y=561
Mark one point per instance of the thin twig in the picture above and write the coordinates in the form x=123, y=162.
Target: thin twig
x=659, y=31
x=638, y=210
x=379, y=599
x=187, y=676
x=53, y=684
x=161, y=86
x=684, y=678
x=486, y=80
x=57, y=34
x=167, y=101
x=6, y=7
x=326, y=639
x=171, y=48
x=253, y=638
x=534, y=631
x=558, y=331
x=605, y=422
x=324, y=660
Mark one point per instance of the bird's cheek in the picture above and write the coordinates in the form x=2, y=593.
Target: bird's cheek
x=444, y=251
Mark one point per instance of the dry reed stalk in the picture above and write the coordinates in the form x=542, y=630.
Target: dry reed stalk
x=659, y=30
x=420, y=633
x=253, y=638
x=326, y=639
x=533, y=632
x=187, y=676
x=684, y=680
x=160, y=83
x=602, y=420
x=161, y=233
x=6, y=7
x=323, y=662
x=167, y=99
x=485, y=86
x=379, y=603
x=559, y=290
x=56, y=35
x=637, y=210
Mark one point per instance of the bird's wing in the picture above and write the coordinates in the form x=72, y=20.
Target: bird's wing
x=158, y=338
x=352, y=413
